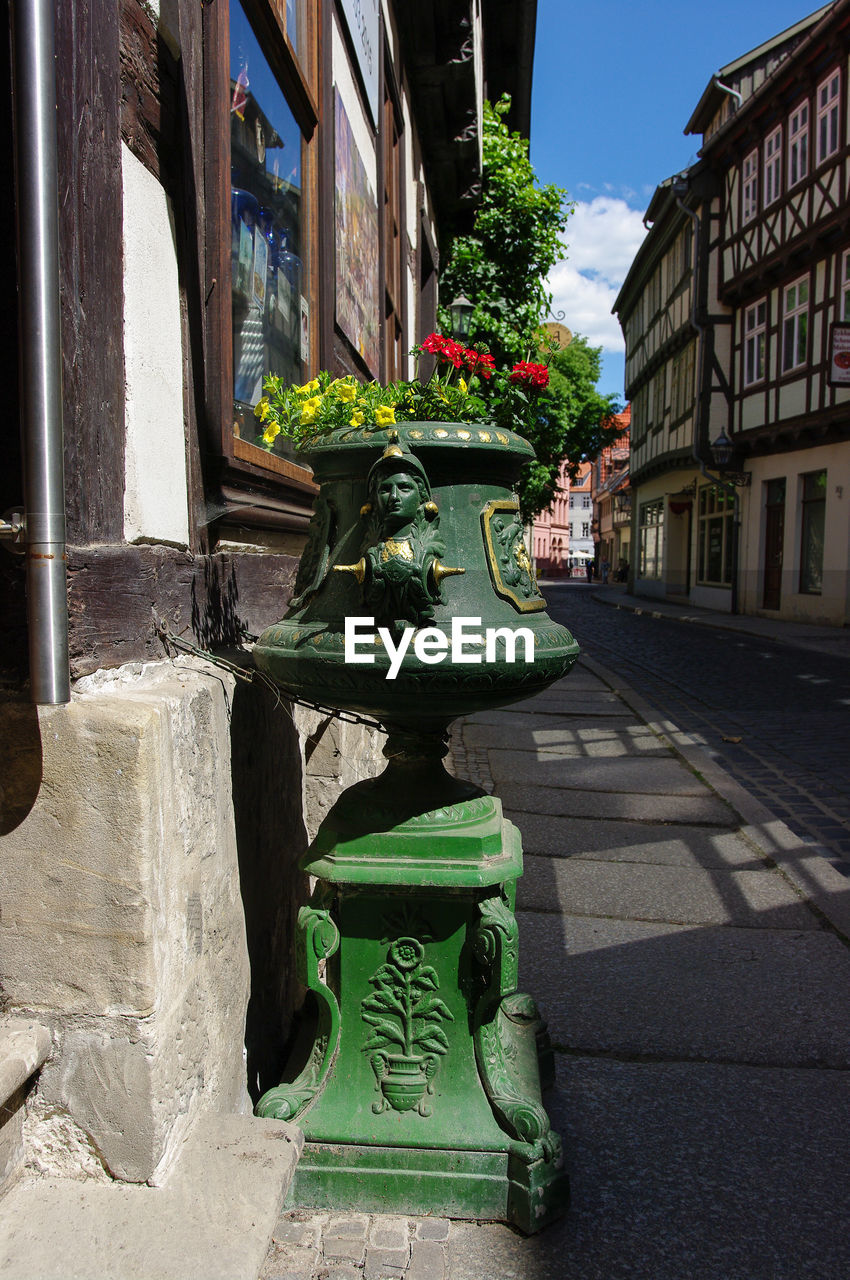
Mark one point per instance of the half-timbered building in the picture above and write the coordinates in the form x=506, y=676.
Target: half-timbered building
x=770, y=293
x=677, y=346
x=238, y=188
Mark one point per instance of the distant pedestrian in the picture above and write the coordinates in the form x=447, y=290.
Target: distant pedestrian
x=606, y=569
x=588, y=568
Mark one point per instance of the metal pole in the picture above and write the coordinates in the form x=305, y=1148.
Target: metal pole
x=40, y=347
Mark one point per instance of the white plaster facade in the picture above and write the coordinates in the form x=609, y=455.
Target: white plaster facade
x=155, y=502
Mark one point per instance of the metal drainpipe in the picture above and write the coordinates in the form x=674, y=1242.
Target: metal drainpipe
x=36, y=184
x=699, y=329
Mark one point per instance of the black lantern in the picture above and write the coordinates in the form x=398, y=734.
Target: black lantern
x=461, y=312
x=721, y=451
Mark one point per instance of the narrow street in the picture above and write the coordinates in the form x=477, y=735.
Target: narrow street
x=789, y=707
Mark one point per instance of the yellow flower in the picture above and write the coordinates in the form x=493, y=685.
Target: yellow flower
x=309, y=387
x=385, y=415
x=262, y=409
x=463, y=386
x=356, y=419
x=310, y=408
x=271, y=433
x=346, y=392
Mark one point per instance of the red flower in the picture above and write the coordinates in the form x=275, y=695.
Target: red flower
x=434, y=343
x=452, y=352
x=479, y=362
x=535, y=374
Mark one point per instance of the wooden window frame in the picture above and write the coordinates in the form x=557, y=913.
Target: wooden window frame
x=828, y=117
x=795, y=314
x=714, y=505
x=651, y=518
x=749, y=186
x=393, y=169
x=282, y=488
x=772, y=184
x=750, y=342
x=798, y=143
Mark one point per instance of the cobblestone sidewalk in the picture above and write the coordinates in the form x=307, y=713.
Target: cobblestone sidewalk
x=356, y=1246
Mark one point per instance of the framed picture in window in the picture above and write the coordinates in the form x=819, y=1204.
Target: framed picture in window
x=839, y=355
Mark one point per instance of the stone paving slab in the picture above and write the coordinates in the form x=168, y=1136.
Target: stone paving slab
x=686, y=1172
x=212, y=1218
x=585, y=737
x=534, y=712
x=580, y=677
x=637, y=842
x=713, y=993
x=665, y=776
x=678, y=895
x=565, y=802
x=571, y=702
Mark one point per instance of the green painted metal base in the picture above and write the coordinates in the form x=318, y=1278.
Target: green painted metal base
x=421, y=1089
x=478, y=1185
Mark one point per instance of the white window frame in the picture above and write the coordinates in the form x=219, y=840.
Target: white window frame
x=750, y=186
x=755, y=343
x=773, y=166
x=798, y=143
x=795, y=324
x=828, y=102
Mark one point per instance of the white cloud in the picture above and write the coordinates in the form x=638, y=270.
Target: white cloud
x=603, y=236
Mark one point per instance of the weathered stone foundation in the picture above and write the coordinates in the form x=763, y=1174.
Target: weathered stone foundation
x=151, y=833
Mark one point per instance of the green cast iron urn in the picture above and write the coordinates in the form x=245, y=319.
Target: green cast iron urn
x=415, y=603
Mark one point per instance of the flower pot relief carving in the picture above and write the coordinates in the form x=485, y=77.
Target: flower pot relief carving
x=408, y=1040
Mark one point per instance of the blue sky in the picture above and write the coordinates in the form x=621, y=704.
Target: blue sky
x=614, y=86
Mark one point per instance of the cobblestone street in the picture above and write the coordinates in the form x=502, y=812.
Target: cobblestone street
x=776, y=716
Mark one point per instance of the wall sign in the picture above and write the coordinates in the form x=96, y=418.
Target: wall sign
x=361, y=17
x=839, y=355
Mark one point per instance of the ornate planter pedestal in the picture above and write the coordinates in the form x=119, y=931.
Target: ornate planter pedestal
x=419, y=1083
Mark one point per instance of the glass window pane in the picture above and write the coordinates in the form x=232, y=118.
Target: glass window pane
x=268, y=227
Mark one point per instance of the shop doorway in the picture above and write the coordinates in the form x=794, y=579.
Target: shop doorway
x=774, y=537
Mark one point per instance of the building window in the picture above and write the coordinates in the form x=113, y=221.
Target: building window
x=654, y=293
x=657, y=389
x=750, y=187
x=772, y=166
x=651, y=538
x=798, y=144
x=795, y=324
x=813, y=524
x=585, y=500
x=845, y=286
x=270, y=213
x=682, y=254
x=755, y=332
x=394, y=265
x=682, y=384
x=827, y=121
x=585, y=529
x=714, y=537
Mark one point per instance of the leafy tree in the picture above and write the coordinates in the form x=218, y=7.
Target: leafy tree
x=574, y=421
x=502, y=267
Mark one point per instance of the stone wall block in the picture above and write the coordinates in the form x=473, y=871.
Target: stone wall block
x=121, y=914
x=77, y=873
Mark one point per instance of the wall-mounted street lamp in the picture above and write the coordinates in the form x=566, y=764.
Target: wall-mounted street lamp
x=461, y=310
x=722, y=450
